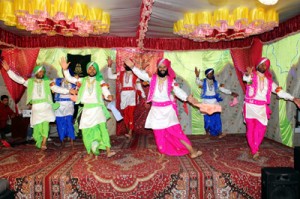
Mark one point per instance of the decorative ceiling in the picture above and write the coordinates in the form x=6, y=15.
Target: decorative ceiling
x=142, y=19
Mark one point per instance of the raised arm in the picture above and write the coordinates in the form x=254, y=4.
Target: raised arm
x=14, y=76
x=65, y=65
x=138, y=72
x=197, y=73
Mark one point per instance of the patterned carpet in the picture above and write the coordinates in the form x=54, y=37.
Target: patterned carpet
x=223, y=171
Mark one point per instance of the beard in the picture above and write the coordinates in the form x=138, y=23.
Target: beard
x=261, y=70
x=160, y=74
x=92, y=75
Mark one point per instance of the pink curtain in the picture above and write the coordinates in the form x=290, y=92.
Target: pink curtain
x=246, y=57
x=21, y=61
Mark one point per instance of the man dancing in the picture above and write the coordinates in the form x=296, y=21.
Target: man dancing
x=162, y=118
x=39, y=95
x=130, y=87
x=94, y=113
x=256, y=111
x=64, y=114
x=210, y=95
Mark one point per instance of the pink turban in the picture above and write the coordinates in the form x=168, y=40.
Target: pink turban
x=167, y=63
x=265, y=60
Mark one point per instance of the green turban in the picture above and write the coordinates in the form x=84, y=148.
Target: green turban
x=99, y=75
x=38, y=68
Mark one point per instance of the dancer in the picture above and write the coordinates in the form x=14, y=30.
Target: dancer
x=39, y=95
x=94, y=113
x=258, y=95
x=131, y=89
x=162, y=117
x=64, y=114
x=210, y=95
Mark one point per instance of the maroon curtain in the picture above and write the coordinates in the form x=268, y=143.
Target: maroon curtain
x=21, y=61
x=246, y=57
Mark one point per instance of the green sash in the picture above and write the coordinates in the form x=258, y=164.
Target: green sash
x=99, y=97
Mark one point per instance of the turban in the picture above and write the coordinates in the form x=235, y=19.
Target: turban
x=267, y=63
x=38, y=68
x=167, y=63
x=209, y=70
x=99, y=75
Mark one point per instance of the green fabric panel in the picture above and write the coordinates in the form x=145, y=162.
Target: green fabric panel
x=282, y=59
x=184, y=63
x=52, y=56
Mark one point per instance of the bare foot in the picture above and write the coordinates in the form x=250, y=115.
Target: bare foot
x=196, y=154
x=129, y=136
x=222, y=135
x=110, y=154
x=43, y=148
x=256, y=156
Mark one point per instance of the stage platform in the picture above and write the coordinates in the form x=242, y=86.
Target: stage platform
x=225, y=170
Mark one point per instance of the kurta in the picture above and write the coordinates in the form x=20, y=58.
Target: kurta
x=66, y=105
x=211, y=92
x=128, y=97
x=258, y=112
x=41, y=112
x=161, y=117
x=90, y=117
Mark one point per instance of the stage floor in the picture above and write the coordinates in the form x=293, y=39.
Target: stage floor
x=225, y=169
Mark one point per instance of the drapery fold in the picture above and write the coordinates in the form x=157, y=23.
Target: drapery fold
x=21, y=62
x=246, y=57
x=284, y=29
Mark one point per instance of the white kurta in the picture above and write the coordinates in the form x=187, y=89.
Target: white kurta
x=210, y=91
x=258, y=112
x=90, y=116
x=66, y=107
x=161, y=117
x=128, y=97
x=41, y=112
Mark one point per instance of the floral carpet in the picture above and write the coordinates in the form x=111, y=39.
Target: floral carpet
x=225, y=170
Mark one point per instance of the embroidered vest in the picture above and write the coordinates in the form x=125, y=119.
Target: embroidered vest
x=47, y=90
x=98, y=94
x=216, y=88
x=153, y=84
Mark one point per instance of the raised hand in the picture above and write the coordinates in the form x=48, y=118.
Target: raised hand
x=248, y=71
x=197, y=72
x=64, y=64
x=109, y=61
x=5, y=65
x=129, y=62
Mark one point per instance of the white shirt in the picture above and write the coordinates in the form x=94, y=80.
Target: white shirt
x=161, y=117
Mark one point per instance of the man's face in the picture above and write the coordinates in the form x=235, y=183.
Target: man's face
x=5, y=101
x=162, y=70
x=40, y=74
x=210, y=75
x=91, y=71
x=262, y=68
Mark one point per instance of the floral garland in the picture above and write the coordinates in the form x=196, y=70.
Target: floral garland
x=143, y=26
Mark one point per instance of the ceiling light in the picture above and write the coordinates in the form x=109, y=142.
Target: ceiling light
x=223, y=25
x=268, y=2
